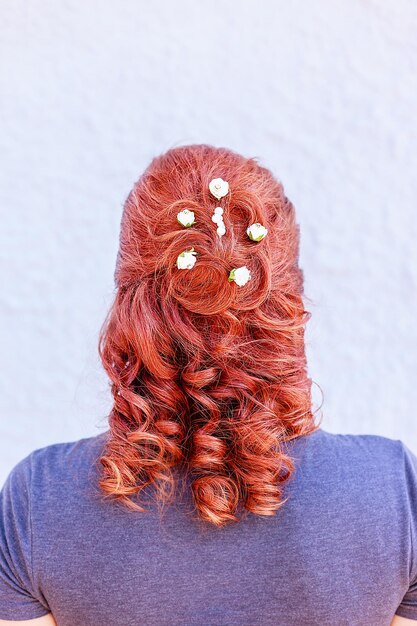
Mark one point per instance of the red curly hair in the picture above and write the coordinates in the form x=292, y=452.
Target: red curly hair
x=205, y=374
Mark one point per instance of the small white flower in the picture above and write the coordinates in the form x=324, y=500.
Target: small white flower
x=186, y=218
x=218, y=210
x=218, y=188
x=256, y=232
x=186, y=260
x=216, y=218
x=240, y=275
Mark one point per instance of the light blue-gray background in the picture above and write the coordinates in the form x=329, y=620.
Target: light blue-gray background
x=324, y=93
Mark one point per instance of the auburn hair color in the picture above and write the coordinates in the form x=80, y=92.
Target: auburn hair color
x=205, y=374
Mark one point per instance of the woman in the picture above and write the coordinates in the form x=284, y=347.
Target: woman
x=214, y=497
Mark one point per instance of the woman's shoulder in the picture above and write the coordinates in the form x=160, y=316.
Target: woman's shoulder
x=74, y=451
x=53, y=467
x=369, y=447
x=356, y=461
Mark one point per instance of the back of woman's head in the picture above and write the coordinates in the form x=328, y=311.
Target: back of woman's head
x=206, y=373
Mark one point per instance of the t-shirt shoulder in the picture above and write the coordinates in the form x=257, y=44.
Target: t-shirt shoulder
x=397, y=463
x=373, y=451
x=40, y=472
x=20, y=597
x=63, y=451
x=338, y=456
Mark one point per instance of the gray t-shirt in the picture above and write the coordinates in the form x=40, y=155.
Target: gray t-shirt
x=341, y=551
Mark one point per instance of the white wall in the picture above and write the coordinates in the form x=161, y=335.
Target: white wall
x=325, y=93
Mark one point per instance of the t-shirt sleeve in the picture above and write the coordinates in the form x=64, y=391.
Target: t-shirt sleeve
x=408, y=606
x=19, y=597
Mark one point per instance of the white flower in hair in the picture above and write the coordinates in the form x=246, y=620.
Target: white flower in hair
x=186, y=218
x=186, y=260
x=218, y=188
x=240, y=275
x=256, y=232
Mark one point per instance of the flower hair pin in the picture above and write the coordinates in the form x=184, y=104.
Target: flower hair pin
x=186, y=218
x=219, y=188
x=240, y=275
x=256, y=231
x=217, y=218
x=186, y=260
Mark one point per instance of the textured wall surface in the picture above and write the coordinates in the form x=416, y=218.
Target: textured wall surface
x=324, y=93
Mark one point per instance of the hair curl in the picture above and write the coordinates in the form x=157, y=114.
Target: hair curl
x=205, y=374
